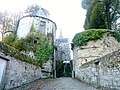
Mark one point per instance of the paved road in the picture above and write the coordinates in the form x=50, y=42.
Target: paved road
x=64, y=83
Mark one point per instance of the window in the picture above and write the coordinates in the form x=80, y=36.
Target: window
x=42, y=27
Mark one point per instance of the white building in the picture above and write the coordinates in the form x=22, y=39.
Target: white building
x=40, y=21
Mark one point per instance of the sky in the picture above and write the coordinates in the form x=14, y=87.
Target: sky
x=67, y=14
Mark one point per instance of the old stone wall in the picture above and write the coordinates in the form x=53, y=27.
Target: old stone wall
x=18, y=72
x=94, y=50
x=98, y=62
x=104, y=71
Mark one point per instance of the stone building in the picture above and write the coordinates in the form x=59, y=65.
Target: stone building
x=12, y=70
x=97, y=63
x=39, y=21
x=63, y=48
x=34, y=21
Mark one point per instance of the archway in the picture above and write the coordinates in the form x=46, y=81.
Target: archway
x=64, y=68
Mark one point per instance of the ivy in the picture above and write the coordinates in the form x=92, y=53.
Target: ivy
x=9, y=39
x=8, y=50
x=34, y=42
x=81, y=39
x=116, y=35
x=43, y=52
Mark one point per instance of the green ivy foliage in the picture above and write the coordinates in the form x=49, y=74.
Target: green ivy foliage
x=116, y=35
x=36, y=42
x=8, y=50
x=81, y=39
x=9, y=39
x=19, y=44
x=43, y=52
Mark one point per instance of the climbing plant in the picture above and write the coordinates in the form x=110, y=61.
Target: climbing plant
x=9, y=39
x=43, y=52
x=82, y=38
x=36, y=43
x=116, y=35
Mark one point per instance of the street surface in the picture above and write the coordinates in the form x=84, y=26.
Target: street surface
x=63, y=83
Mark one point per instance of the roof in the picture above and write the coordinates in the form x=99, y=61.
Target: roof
x=62, y=40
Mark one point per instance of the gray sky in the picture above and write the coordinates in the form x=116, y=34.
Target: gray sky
x=67, y=14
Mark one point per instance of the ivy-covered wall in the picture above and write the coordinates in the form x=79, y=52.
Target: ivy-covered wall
x=8, y=50
x=35, y=45
x=97, y=52
x=81, y=39
x=21, y=68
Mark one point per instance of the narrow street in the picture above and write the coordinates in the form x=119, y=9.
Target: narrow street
x=63, y=83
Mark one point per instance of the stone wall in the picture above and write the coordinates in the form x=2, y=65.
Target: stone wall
x=104, y=71
x=94, y=50
x=98, y=62
x=18, y=72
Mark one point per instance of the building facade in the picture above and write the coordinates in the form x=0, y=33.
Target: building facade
x=63, y=49
x=39, y=21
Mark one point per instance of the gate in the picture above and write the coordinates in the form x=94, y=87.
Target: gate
x=63, y=69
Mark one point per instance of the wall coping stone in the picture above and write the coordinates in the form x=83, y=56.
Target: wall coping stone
x=99, y=59
x=4, y=58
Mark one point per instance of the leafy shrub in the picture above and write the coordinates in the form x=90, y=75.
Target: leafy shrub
x=17, y=54
x=82, y=38
x=9, y=39
x=19, y=44
x=43, y=52
x=116, y=35
x=34, y=42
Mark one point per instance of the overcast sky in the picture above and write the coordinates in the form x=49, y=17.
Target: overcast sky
x=67, y=14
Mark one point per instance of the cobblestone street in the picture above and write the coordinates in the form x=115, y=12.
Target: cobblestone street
x=64, y=83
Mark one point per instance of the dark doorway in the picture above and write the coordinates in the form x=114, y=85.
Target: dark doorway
x=63, y=69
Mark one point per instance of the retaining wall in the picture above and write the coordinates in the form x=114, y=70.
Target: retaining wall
x=102, y=72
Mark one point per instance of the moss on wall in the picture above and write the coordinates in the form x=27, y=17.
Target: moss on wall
x=8, y=50
x=81, y=39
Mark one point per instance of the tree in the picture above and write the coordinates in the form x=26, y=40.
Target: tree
x=110, y=13
x=89, y=5
x=86, y=3
x=5, y=22
x=87, y=19
x=97, y=20
x=16, y=16
x=33, y=9
x=36, y=10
